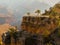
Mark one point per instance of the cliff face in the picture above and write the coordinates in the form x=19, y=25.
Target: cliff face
x=42, y=25
x=39, y=25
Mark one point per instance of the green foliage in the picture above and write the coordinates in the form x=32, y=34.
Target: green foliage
x=38, y=12
x=28, y=13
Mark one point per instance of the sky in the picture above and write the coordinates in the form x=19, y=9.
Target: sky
x=11, y=3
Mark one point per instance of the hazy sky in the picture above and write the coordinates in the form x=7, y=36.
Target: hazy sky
x=19, y=2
